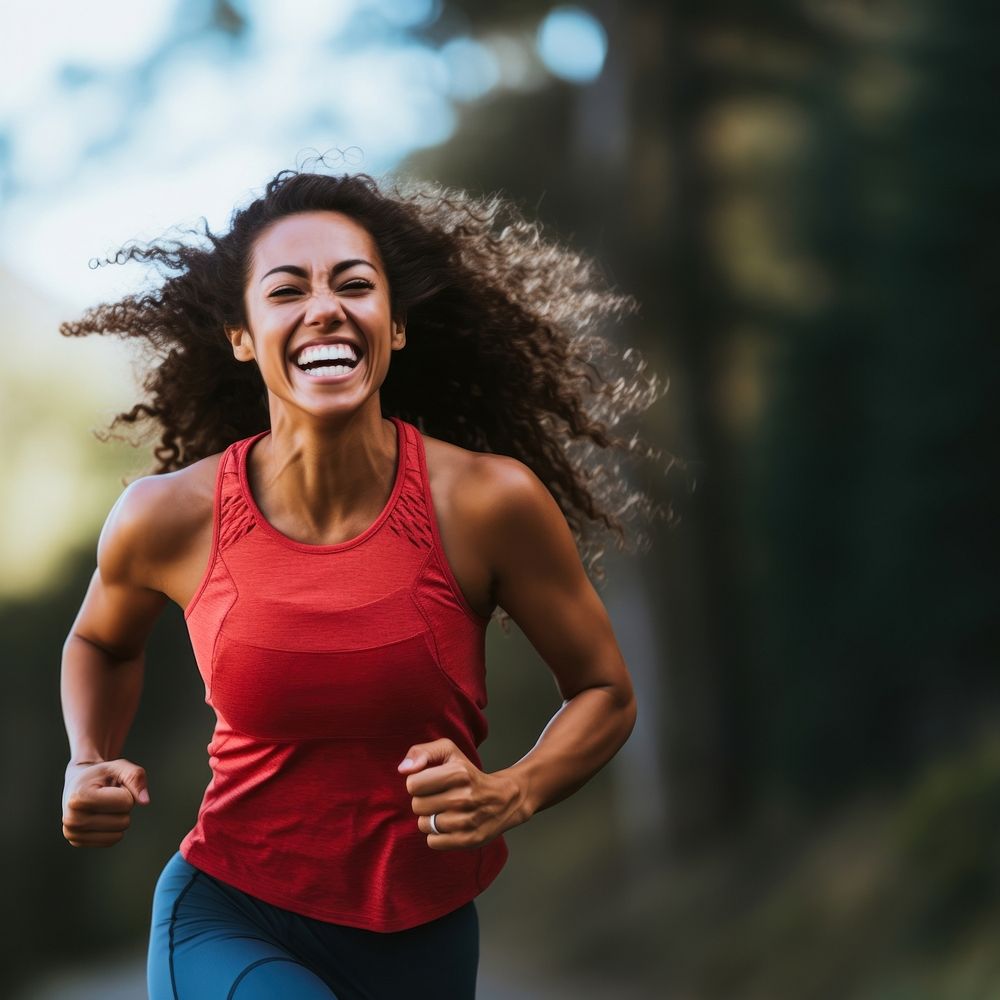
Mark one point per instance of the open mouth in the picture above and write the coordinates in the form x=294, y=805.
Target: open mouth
x=335, y=361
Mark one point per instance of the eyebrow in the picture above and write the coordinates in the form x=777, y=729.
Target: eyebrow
x=301, y=272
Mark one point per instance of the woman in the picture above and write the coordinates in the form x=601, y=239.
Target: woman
x=337, y=571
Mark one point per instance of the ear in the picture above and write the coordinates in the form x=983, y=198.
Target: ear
x=398, y=334
x=242, y=342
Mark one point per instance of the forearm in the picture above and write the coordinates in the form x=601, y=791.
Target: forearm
x=578, y=741
x=100, y=696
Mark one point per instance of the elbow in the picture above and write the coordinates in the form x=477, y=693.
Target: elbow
x=626, y=708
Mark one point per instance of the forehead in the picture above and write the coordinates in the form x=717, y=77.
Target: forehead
x=320, y=237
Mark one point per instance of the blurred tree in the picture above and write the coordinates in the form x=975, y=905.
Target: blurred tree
x=874, y=487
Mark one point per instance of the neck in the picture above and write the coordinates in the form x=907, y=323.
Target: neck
x=323, y=482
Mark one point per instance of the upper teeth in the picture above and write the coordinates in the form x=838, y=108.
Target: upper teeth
x=327, y=353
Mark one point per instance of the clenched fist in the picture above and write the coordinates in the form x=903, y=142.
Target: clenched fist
x=97, y=800
x=471, y=807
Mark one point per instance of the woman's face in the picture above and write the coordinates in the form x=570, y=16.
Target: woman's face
x=317, y=279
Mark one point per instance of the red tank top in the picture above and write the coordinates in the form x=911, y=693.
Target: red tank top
x=323, y=664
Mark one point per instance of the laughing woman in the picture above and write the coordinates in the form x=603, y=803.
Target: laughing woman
x=368, y=401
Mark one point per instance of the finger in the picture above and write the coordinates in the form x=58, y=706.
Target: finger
x=102, y=799
x=453, y=837
x=413, y=761
x=437, y=779
x=424, y=754
x=96, y=822
x=448, y=823
x=133, y=777
x=424, y=805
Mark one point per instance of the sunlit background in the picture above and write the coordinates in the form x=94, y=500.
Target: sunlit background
x=796, y=192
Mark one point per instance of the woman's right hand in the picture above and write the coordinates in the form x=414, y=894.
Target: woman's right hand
x=98, y=798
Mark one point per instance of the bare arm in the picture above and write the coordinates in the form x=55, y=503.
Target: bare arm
x=102, y=674
x=540, y=581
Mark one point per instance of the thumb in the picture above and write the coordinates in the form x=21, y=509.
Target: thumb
x=425, y=754
x=133, y=777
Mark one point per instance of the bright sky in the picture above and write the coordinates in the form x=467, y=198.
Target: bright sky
x=120, y=119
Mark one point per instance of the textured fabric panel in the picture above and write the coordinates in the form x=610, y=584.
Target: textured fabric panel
x=236, y=520
x=410, y=520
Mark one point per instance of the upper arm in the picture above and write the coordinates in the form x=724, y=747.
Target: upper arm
x=540, y=581
x=121, y=603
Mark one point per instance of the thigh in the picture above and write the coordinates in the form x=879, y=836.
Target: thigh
x=207, y=943
x=433, y=960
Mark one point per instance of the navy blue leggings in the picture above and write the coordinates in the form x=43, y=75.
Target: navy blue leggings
x=210, y=941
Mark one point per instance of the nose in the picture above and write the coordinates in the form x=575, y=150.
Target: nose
x=324, y=307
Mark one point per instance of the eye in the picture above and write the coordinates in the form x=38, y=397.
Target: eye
x=355, y=284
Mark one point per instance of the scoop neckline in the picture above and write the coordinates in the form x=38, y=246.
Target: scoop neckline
x=270, y=530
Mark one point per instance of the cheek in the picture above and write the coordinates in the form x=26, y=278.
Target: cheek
x=272, y=327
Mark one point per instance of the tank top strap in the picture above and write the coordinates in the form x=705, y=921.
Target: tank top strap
x=410, y=518
x=235, y=519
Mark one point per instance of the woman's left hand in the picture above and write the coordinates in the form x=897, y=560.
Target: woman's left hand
x=472, y=807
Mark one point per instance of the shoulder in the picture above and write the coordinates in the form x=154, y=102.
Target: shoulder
x=496, y=495
x=154, y=520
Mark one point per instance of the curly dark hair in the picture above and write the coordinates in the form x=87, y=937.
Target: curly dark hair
x=501, y=354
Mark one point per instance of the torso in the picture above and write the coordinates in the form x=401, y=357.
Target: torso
x=186, y=543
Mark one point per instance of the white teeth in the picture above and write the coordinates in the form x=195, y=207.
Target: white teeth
x=329, y=370
x=327, y=353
